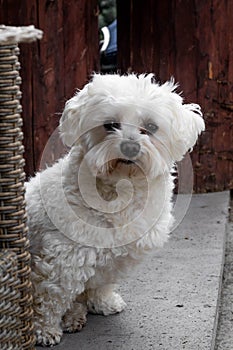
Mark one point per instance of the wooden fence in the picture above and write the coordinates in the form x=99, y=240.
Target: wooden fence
x=191, y=40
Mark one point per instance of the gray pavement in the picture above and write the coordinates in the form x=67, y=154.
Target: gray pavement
x=173, y=296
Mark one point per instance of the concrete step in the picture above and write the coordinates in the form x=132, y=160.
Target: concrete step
x=173, y=297
x=224, y=338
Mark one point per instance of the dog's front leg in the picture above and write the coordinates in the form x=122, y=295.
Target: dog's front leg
x=51, y=301
x=47, y=319
x=104, y=300
x=75, y=317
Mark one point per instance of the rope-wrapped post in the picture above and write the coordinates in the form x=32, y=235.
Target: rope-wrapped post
x=13, y=227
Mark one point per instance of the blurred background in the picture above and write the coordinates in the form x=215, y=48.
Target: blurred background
x=190, y=40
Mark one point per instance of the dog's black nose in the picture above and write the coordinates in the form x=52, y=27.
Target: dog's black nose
x=130, y=148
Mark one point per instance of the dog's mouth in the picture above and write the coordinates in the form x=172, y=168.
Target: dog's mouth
x=125, y=161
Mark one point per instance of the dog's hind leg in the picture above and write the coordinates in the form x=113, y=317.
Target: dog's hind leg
x=104, y=301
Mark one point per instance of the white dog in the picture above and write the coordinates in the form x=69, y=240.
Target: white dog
x=94, y=213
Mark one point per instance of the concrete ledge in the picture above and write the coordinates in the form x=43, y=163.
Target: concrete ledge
x=224, y=339
x=173, y=296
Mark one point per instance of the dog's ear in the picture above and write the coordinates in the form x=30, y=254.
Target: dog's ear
x=69, y=125
x=186, y=126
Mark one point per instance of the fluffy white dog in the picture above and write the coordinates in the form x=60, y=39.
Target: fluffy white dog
x=94, y=213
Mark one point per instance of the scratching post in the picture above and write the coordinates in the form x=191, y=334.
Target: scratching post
x=16, y=325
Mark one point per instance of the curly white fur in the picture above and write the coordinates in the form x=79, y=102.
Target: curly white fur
x=94, y=213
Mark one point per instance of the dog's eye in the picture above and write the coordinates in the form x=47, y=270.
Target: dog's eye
x=149, y=128
x=111, y=125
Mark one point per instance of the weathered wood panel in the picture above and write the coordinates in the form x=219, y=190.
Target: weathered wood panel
x=53, y=68
x=192, y=41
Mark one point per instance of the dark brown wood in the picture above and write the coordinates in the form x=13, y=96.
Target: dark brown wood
x=192, y=41
x=124, y=33
x=53, y=68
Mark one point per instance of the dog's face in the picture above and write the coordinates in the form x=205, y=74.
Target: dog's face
x=130, y=125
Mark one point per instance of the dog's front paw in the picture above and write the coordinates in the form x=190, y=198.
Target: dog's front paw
x=48, y=337
x=74, y=319
x=114, y=304
x=111, y=304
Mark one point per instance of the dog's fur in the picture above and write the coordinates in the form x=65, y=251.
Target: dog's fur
x=94, y=213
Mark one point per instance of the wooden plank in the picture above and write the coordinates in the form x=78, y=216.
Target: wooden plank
x=48, y=77
x=124, y=33
x=81, y=43
x=214, y=35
